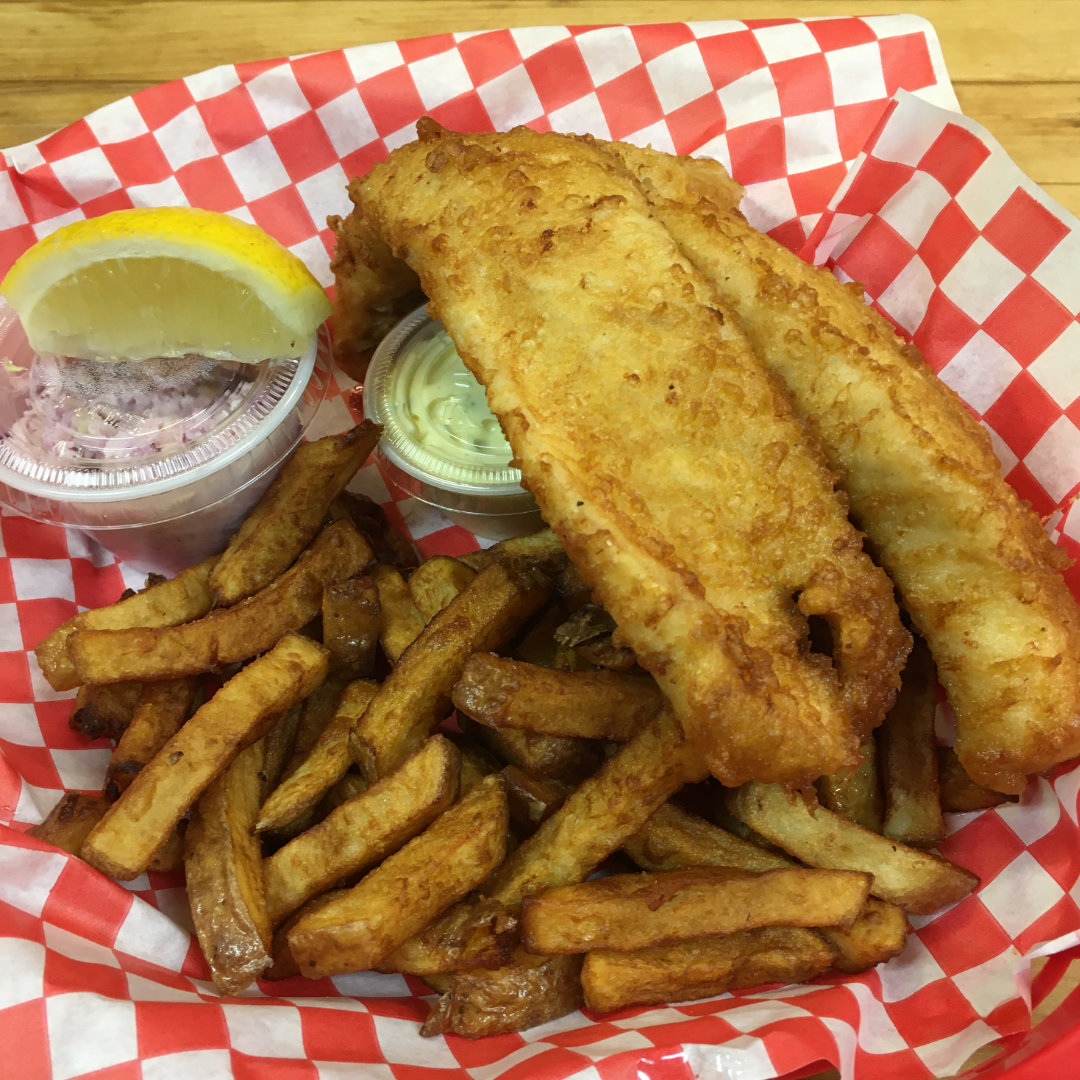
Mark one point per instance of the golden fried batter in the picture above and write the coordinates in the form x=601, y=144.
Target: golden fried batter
x=669, y=463
x=973, y=566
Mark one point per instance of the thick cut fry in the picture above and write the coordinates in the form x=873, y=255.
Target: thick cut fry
x=856, y=792
x=141, y=820
x=323, y=766
x=473, y=933
x=588, y=637
x=401, y=618
x=703, y=968
x=163, y=707
x=909, y=764
x=364, y=829
x=223, y=870
x=506, y=693
x=106, y=710
x=165, y=603
x=532, y=990
x=673, y=838
x=71, y=819
x=600, y=815
x=959, y=793
x=389, y=545
x=878, y=934
x=407, y=890
x=436, y=581
x=558, y=756
x=290, y=513
x=639, y=911
x=416, y=695
x=543, y=547
x=351, y=622
x=917, y=881
x=226, y=636
x=532, y=798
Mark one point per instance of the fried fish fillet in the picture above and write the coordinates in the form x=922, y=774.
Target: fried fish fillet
x=670, y=464
x=977, y=573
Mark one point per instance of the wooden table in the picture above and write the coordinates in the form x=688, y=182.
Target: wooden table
x=1014, y=66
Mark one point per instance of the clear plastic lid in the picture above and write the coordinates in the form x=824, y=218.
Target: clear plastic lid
x=77, y=433
x=436, y=423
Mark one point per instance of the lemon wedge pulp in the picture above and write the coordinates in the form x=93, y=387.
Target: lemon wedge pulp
x=164, y=281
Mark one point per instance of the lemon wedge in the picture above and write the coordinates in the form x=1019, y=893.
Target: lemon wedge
x=164, y=281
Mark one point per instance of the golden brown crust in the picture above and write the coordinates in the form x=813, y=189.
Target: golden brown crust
x=972, y=563
x=670, y=465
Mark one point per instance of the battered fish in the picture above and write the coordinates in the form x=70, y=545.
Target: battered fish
x=667, y=460
x=974, y=568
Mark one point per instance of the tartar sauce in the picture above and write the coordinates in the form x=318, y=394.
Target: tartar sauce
x=438, y=402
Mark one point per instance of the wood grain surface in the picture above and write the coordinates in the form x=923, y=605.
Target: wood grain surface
x=1014, y=66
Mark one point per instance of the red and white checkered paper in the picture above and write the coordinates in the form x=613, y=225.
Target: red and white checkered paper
x=844, y=133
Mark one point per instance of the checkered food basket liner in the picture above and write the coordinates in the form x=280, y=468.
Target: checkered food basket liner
x=846, y=136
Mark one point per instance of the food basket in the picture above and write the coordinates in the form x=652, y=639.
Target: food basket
x=846, y=135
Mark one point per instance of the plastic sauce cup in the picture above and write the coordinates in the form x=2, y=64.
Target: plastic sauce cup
x=158, y=461
x=440, y=442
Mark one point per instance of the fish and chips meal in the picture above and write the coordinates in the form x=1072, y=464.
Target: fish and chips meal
x=683, y=740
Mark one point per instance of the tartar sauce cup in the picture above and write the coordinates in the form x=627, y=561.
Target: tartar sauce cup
x=158, y=460
x=440, y=441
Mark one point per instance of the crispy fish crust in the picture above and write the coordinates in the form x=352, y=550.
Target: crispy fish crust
x=669, y=463
x=976, y=571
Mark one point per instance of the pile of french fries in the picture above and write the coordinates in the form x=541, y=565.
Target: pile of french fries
x=362, y=763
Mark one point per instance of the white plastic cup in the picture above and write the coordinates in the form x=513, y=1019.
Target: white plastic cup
x=484, y=496
x=81, y=446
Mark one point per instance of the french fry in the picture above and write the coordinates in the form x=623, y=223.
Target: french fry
x=959, y=793
x=673, y=839
x=643, y=910
x=588, y=636
x=229, y=635
x=324, y=764
x=557, y=756
x=283, y=964
x=703, y=968
x=529, y=991
x=407, y=890
x=416, y=694
x=436, y=581
x=351, y=622
x=503, y=693
x=71, y=819
x=364, y=829
x=140, y=822
x=165, y=603
x=543, y=546
x=907, y=743
x=223, y=870
x=290, y=513
x=532, y=798
x=917, y=881
x=476, y=932
x=599, y=816
x=401, y=618
x=389, y=545
x=856, y=793
x=162, y=709
x=105, y=711
x=878, y=934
